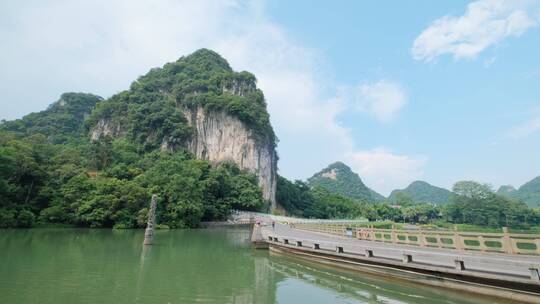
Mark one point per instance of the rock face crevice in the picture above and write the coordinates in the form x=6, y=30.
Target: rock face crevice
x=220, y=137
x=106, y=127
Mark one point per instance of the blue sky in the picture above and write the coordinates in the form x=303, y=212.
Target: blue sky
x=400, y=90
x=459, y=112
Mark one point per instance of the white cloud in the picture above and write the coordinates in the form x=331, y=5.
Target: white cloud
x=525, y=129
x=101, y=46
x=485, y=23
x=384, y=170
x=382, y=99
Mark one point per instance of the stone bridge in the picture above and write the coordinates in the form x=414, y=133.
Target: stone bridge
x=503, y=265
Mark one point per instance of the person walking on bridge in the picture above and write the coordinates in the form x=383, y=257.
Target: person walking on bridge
x=273, y=224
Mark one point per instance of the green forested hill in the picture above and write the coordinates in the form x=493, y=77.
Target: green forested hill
x=299, y=199
x=52, y=172
x=528, y=193
x=375, y=196
x=62, y=120
x=422, y=192
x=339, y=178
x=507, y=190
x=471, y=203
x=150, y=111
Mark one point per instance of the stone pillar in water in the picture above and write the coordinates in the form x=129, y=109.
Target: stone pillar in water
x=149, y=232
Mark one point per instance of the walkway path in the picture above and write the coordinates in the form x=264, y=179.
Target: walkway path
x=491, y=265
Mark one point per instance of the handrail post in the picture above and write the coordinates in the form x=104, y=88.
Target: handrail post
x=507, y=242
x=457, y=239
x=422, y=239
x=372, y=234
x=482, y=245
x=393, y=233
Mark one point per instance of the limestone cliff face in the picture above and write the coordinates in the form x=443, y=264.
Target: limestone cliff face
x=221, y=137
x=239, y=132
x=106, y=127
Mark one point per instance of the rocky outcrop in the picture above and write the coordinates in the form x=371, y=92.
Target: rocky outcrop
x=220, y=137
x=236, y=129
x=106, y=127
x=239, y=88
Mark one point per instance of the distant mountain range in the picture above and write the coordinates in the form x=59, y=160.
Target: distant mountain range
x=528, y=193
x=420, y=191
x=340, y=179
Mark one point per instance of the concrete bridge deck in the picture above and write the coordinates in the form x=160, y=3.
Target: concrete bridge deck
x=508, y=273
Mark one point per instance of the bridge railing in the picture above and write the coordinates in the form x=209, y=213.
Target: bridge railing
x=505, y=242
x=237, y=215
x=510, y=269
x=342, y=228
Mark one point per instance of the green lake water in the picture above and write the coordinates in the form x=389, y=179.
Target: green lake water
x=184, y=266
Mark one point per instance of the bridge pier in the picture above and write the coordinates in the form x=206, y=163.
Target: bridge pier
x=535, y=272
x=459, y=264
x=257, y=238
x=406, y=258
x=368, y=253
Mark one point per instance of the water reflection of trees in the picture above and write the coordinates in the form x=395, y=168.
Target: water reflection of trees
x=209, y=265
x=183, y=266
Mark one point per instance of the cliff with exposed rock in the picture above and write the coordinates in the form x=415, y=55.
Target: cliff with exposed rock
x=200, y=104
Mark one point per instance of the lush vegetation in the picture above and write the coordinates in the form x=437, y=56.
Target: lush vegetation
x=150, y=112
x=476, y=204
x=49, y=183
x=52, y=172
x=63, y=120
x=340, y=179
x=528, y=193
x=420, y=191
x=301, y=200
x=337, y=192
x=470, y=205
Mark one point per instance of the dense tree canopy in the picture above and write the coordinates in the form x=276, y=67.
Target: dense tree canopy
x=528, y=193
x=301, y=200
x=60, y=122
x=51, y=171
x=108, y=183
x=475, y=203
x=150, y=112
x=470, y=203
x=295, y=197
x=340, y=179
x=55, y=169
x=420, y=191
